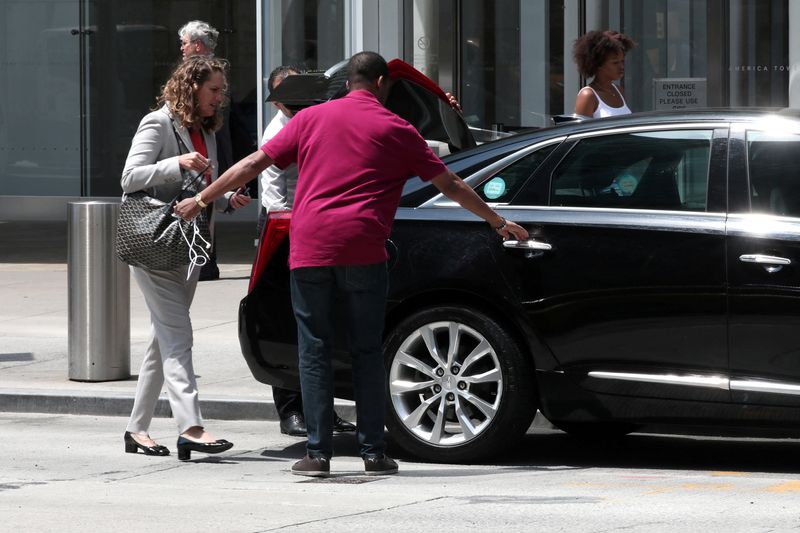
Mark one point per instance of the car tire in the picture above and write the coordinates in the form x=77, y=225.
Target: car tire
x=479, y=402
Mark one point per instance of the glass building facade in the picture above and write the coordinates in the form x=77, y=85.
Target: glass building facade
x=80, y=74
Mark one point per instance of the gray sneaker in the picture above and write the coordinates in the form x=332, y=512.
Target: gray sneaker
x=312, y=466
x=382, y=465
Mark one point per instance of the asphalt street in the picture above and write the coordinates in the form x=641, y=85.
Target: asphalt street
x=69, y=473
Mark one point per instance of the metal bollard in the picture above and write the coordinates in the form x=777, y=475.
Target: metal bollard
x=99, y=295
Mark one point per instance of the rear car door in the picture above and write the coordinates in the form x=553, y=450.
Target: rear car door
x=623, y=280
x=764, y=264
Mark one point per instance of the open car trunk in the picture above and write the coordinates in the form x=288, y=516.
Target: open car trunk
x=412, y=96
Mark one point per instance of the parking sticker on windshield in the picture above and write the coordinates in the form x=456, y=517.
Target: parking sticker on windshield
x=494, y=188
x=622, y=185
x=627, y=184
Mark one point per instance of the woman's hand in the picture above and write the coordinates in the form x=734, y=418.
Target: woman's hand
x=239, y=199
x=187, y=209
x=194, y=161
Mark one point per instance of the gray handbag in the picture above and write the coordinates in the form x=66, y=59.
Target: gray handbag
x=151, y=236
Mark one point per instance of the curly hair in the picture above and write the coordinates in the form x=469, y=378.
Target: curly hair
x=591, y=49
x=179, y=91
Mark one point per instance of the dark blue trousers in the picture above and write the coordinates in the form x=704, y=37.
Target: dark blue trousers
x=361, y=293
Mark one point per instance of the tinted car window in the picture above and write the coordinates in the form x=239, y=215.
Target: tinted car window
x=774, y=169
x=645, y=170
x=502, y=186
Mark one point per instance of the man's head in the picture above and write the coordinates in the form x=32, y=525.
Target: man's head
x=368, y=70
x=275, y=78
x=198, y=38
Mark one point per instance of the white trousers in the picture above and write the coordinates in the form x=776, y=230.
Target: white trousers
x=168, y=357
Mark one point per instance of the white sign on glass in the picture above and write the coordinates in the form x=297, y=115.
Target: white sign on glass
x=679, y=93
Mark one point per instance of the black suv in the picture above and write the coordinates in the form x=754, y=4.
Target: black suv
x=660, y=284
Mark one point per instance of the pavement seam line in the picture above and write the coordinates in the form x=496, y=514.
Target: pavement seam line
x=350, y=515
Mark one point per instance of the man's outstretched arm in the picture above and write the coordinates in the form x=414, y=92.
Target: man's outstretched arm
x=454, y=188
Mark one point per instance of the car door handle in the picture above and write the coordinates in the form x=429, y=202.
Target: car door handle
x=527, y=245
x=771, y=263
x=765, y=259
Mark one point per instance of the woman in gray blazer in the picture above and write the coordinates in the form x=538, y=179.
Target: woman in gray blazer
x=176, y=138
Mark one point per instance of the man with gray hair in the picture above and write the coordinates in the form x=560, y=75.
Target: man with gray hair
x=198, y=38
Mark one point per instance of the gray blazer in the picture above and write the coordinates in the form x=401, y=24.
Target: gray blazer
x=152, y=162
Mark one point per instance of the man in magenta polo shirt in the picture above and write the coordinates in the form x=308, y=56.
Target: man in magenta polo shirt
x=353, y=157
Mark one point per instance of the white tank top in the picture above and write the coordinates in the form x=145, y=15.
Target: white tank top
x=605, y=110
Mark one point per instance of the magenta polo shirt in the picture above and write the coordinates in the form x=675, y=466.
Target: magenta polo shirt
x=353, y=157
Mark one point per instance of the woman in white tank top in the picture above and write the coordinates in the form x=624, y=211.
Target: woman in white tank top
x=601, y=55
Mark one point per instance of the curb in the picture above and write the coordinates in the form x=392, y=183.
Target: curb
x=120, y=404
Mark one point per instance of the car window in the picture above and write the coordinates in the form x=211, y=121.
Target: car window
x=773, y=162
x=644, y=170
x=502, y=186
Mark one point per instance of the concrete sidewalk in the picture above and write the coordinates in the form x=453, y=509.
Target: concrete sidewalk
x=34, y=341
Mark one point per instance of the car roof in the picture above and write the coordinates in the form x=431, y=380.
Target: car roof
x=748, y=114
x=647, y=118
x=705, y=114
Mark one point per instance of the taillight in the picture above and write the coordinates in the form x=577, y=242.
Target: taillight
x=275, y=231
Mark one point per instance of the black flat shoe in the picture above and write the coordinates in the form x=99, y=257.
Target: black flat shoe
x=131, y=446
x=186, y=447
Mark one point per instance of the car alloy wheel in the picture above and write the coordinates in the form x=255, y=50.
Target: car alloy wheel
x=445, y=383
x=458, y=386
